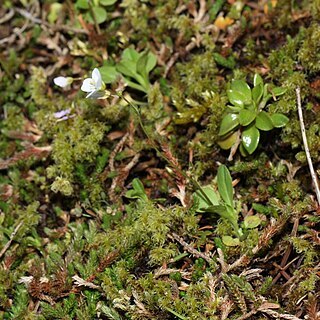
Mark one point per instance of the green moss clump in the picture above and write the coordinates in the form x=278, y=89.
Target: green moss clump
x=308, y=54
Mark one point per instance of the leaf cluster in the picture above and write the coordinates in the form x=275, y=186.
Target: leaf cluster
x=134, y=68
x=245, y=117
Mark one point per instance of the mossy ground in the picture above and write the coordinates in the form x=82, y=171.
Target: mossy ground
x=74, y=244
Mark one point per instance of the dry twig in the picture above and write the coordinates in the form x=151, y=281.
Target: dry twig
x=306, y=147
x=13, y=234
x=190, y=249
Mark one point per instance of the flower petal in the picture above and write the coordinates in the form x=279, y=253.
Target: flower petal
x=96, y=76
x=88, y=85
x=61, y=113
x=61, y=81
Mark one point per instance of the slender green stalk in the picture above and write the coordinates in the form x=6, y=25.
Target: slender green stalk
x=96, y=24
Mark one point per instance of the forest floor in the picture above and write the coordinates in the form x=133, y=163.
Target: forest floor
x=152, y=164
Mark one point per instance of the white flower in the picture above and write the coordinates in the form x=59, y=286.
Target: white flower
x=93, y=85
x=62, y=81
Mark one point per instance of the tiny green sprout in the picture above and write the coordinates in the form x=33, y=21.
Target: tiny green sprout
x=137, y=191
x=245, y=117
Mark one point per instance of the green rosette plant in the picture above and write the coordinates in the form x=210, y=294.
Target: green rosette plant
x=246, y=116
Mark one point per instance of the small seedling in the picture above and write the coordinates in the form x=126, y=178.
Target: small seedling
x=246, y=117
x=221, y=202
x=137, y=191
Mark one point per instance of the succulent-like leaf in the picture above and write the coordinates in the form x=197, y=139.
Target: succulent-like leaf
x=229, y=122
x=264, y=121
x=250, y=138
x=242, y=87
x=236, y=98
x=246, y=117
x=228, y=141
x=279, y=120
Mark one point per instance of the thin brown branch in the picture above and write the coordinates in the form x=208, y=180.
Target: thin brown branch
x=190, y=249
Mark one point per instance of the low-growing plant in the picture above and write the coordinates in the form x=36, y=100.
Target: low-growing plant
x=96, y=10
x=134, y=67
x=246, y=116
x=221, y=202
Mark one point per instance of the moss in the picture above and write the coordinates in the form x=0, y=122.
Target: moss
x=131, y=264
x=308, y=53
x=74, y=151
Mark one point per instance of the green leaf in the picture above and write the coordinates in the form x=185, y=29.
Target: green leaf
x=250, y=138
x=257, y=80
x=243, y=151
x=151, y=62
x=225, y=188
x=228, y=123
x=203, y=204
x=142, y=65
x=246, y=117
x=266, y=96
x=251, y=222
x=230, y=242
x=109, y=73
x=264, y=121
x=278, y=91
x=257, y=93
x=279, y=120
x=100, y=14
x=130, y=54
x=229, y=141
x=107, y=2
x=243, y=88
x=233, y=109
x=127, y=68
x=138, y=191
x=236, y=98
x=82, y=4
